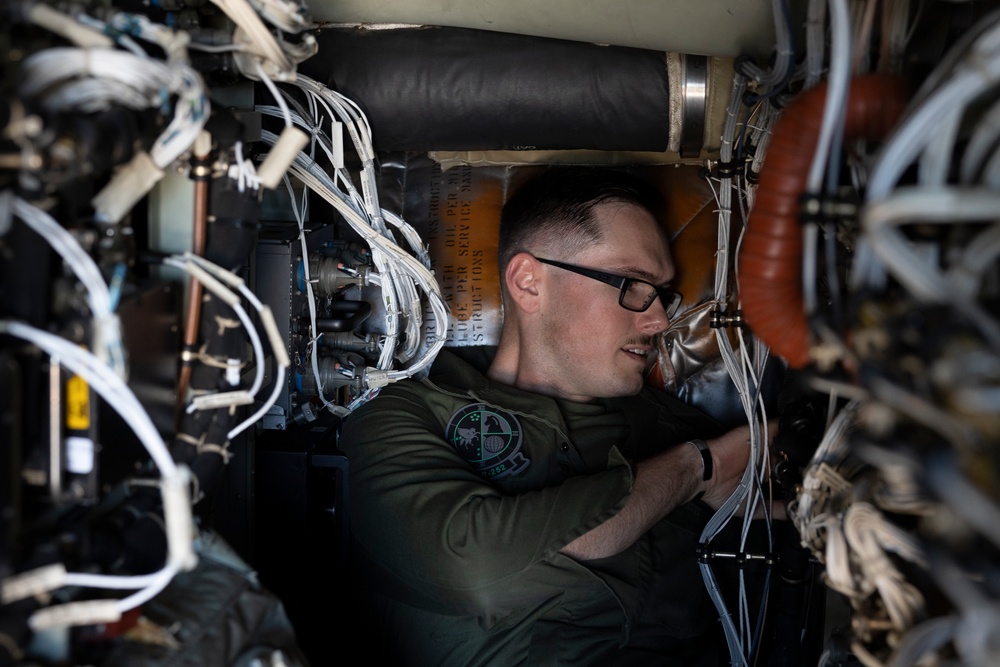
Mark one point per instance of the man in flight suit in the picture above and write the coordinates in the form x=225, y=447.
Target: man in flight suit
x=537, y=503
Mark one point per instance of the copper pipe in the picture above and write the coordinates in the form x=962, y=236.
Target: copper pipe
x=770, y=273
x=192, y=318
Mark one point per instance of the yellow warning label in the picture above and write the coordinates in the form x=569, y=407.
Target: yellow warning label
x=77, y=404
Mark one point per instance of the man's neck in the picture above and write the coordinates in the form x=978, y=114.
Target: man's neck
x=505, y=363
x=514, y=367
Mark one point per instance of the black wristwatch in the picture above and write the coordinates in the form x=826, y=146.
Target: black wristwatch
x=706, y=457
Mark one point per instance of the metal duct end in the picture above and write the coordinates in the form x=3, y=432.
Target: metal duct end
x=688, y=79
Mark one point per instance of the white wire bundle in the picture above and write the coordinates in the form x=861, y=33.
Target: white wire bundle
x=401, y=276
x=973, y=75
x=745, y=371
x=852, y=537
x=859, y=540
x=760, y=137
x=389, y=258
x=261, y=42
x=399, y=292
x=929, y=135
x=207, y=273
x=784, y=54
x=288, y=15
x=242, y=171
x=882, y=220
x=107, y=333
x=825, y=481
x=95, y=79
x=318, y=138
x=174, y=485
x=257, y=47
x=267, y=319
x=123, y=25
x=871, y=537
x=86, y=70
x=837, y=88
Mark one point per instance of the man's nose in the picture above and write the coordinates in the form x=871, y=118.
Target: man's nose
x=654, y=318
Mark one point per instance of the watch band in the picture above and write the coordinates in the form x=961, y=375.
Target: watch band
x=706, y=457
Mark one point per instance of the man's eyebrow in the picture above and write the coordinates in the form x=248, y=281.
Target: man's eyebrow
x=645, y=275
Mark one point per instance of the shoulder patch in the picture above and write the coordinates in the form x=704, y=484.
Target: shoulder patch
x=488, y=438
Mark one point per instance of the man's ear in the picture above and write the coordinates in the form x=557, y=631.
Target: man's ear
x=523, y=281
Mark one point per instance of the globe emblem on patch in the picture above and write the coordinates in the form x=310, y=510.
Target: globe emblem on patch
x=488, y=438
x=494, y=443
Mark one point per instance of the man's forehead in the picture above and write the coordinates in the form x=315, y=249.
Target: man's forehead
x=632, y=242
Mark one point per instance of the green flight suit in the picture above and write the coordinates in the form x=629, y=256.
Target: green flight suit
x=463, y=491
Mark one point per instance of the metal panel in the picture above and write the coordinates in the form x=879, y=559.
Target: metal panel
x=714, y=27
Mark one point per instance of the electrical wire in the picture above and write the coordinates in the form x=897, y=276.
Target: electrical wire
x=837, y=87
x=175, y=479
x=189, y=265
x=976, y=72
x=882, y=219
x=316, y=179
x=277, y=345
x=397, y=272
x=261, y=42
x=107, y=328
x=746, y=373
x=311, y=302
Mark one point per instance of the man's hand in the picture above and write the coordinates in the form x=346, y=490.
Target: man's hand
x=665, y=481
x=730, y=455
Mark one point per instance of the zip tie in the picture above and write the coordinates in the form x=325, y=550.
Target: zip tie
x=32, y=583
x=222, y=399
x=88, y=612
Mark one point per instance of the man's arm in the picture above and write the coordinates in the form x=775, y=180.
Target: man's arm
x=662, y=483
x=444, y=532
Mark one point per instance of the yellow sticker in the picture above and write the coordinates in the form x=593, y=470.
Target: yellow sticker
x=77, y=404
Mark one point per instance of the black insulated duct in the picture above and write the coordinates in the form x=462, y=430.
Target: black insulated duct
x=456, y=89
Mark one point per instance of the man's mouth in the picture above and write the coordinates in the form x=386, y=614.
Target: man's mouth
x=637, y=349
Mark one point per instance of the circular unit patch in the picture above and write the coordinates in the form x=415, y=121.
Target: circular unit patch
x=488, y=438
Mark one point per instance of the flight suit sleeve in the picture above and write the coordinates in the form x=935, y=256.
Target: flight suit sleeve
x=447, y=534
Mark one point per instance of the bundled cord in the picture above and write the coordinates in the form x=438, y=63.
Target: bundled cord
x=388, y=258
x=107, y=329
x=846, y=527
x=257, y=47
x=927, y=135
x=402, y=276
x=93, y=79
x=266, y=316
x=745, y=369
x=784, y=60
x=174, y=488
x=210, y=276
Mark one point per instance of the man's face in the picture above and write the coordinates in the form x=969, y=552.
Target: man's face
x=594, y=347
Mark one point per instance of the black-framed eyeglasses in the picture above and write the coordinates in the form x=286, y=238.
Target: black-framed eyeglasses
x=635, y=294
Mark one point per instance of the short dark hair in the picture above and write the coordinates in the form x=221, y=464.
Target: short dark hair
x=558, y=206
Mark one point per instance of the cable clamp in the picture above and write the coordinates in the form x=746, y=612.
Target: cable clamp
x=201, y=169
x=189, y=355
x=719, y=319
x=728, y=169
x=201, y=172
x=822, y=207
